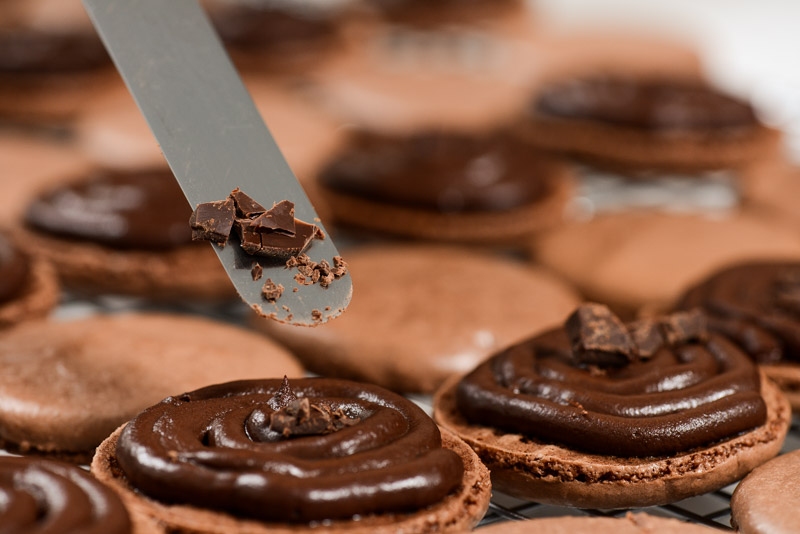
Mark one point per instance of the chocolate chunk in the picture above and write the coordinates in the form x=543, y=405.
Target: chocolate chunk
x=598, y=337
x=257, y=271
x=311, y=272
x=279, y=219
x=283, y=396
x=245, y=205
x=301, y=418
x=213, y=221
x=683, y=327
x=271, y=291
x=274, y=244
x=646, y=336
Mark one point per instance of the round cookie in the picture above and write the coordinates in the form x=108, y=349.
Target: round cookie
x=633, y=259
x=444, y=185
x=68, y=385
x=570, y=423
x=30, y=163
x=123, y=233
x=424, y=313
x=47, y=496
x=28, y=286
x=772, y=192
x=755, y=305
x=647, y=123
x=396, y=471
x=50, y=57
x=630, y=524
x=768, y=499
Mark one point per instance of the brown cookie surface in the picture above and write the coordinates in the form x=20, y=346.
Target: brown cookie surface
x=630, y=524
x=768, y=499
x=69, y=384
x=426, y=312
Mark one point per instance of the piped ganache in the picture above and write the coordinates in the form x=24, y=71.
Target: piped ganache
x=39, y=495
x=755, y=304
x=143, y=210
x=443, y=172
x=650, y=388
x=314, y=450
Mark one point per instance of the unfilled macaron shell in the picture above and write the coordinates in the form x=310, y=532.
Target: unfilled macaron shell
x=767, y=501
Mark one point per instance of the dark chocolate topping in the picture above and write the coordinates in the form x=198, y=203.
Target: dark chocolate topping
x=26, y=51
x=213, y=221
x=39, y=495
x=266, y=26
x=142, y=210
x=648, y=104
x=680, y=396
x=352, y=449
x=444, y=172
x=755, y=305
x=14, y=269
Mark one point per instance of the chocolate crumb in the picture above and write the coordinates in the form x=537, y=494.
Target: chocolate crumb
x=316, y=315
x=271, y=291
x=213, y=221
x=599, y=337
x=319, y=234
x=327, y=308
x=283, y=396
x=285, y=308
x=292, y=262
x=257, y=271
x=295, y=289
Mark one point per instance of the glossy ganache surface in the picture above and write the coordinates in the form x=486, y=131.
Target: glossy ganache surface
x=126, y=210
x=646, y=104
x=442, y=171
x=14, y=269
x=651, y=388
x=312, y=450
x=43, y=496
x=756, y=304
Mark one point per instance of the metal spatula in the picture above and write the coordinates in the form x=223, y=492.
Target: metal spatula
x=214, y=139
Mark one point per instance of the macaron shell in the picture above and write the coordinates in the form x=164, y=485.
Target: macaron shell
x=632, y=259
x=40, y=294
x=630, y=524
x=459, y=512
x=68, y=385
x=422, y=313
x=552, y=474
x=768, y=500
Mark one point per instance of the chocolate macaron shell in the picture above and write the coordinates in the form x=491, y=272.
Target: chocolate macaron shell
x=633, y=259
x=630, y=524
x=68, y=385
x=554, y=474
x=768, y=499
x=459, y=511
x=426, y=312
x=38, y=294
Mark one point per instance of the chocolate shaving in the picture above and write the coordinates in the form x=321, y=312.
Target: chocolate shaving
x=271, y=291
x=279, y=219
x=683, y=327
x=213, y=221
x=301, y=418
x=256, y=271
x=283, y=396
x=598, y=337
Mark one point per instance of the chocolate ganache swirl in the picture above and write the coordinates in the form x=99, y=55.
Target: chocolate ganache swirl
x=651, y=388
x=137, y=210
x=318, y=449
x=14, y=268
x=43, y=496
x=757, y=305
x=647, y=104
x=445, y=172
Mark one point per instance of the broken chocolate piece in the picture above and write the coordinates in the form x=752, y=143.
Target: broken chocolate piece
x=271, y=291
x=257, y=271
x=646, y=336
x=245, y=205
x=279, y=219
x=274, y=244
x=682, y=327
x=598, y=337
x=301, y=418
x=213, y=221
x=283, y=396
